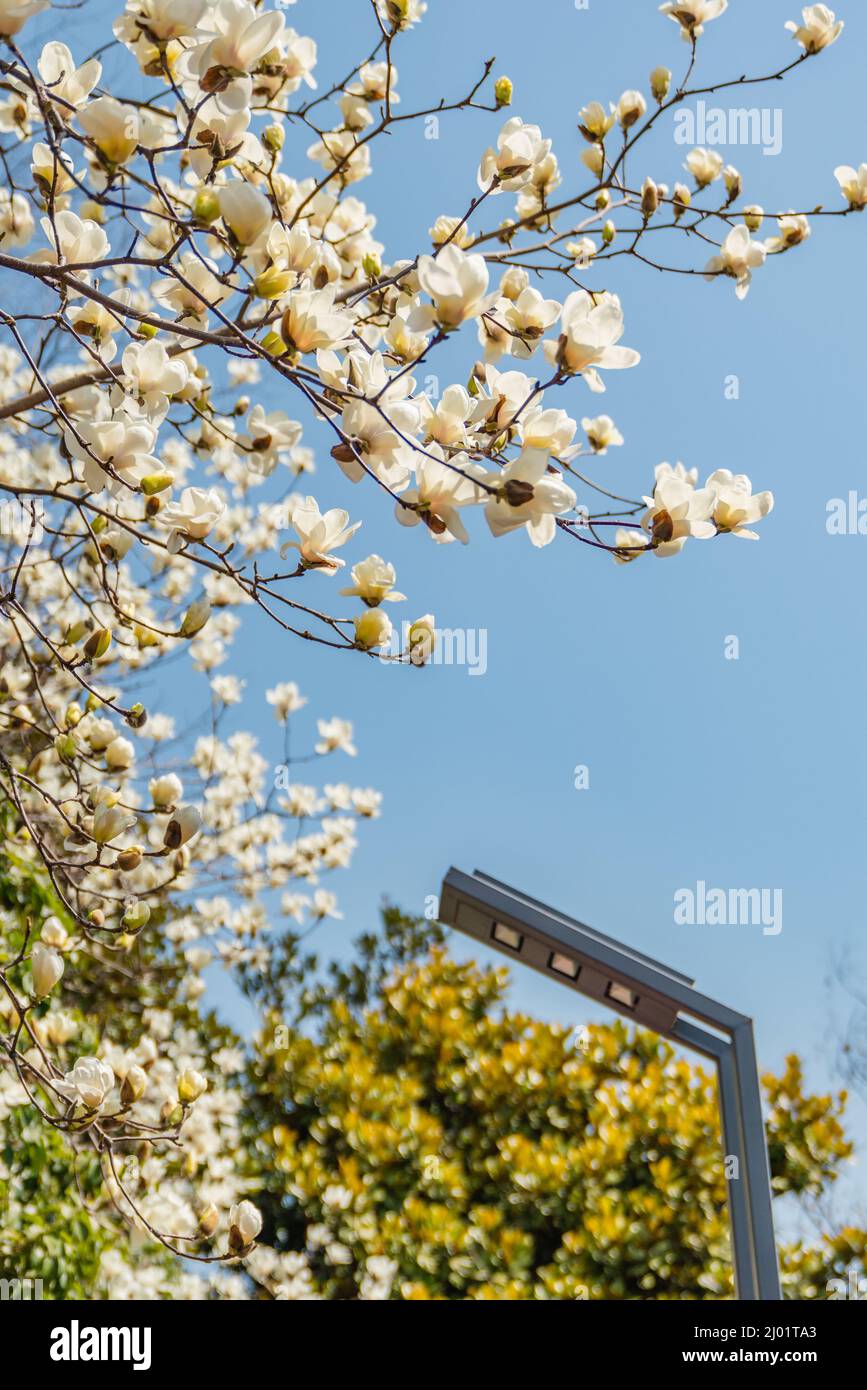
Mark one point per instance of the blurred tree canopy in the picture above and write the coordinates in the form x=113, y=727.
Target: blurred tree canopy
x=494, y=1156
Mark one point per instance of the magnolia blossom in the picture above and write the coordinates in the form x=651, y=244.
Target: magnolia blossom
x=333, y=734
x=109, y=822
x=14, y=14
x=510, y=165
x=738, y=257
x=527, y=494
x=793, y=229
x=373, y=582
x=87, y=1084
x=318, y=535
x=528, y=318
x=108, y=123
x=222, y=63
x=735, y=507
x=312, y=321
x=152, y=376
x=193, y=516
x=373, y=629
x=704, y=165
x=63, y=80
x=285, y=699
x=245, y=1223
x=819, y=29
x=602, y=433
x=853, y=183
x=441, y=489
x=194, y=289
x=456, y=283
x=245, y=210
x=114, y=453
x=591, y=326
x=692, y=15
x=47, y=967
x=675, y=512
x=74, y=240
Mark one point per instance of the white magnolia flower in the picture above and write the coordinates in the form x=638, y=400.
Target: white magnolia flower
x=456, y=283
x=318, y=535
x=594, y=121
x=14, y=14
x=793, y=229
x=528, y=318
x=16, y=219
x=704, y=165
x=111, y=127
x=193, y=516
x=87, y=1084
x=312, y=321
x=63, y=80
x=245, y=1223
x=198, y=288
x=519, y=148
x=692, y=15
x=164, y=19
x=373, y=582
x=735, y=507
x=109, y=822
x=675, y=512
x=629, y=542
x=550, y=429
x=630, y=108
x=74, y=240
x=285, y=699
x=441, y=489
x=819, y=29
x=739, y=255
x=114, y=452
x=166, y=791
x=677, y=470
x=446, y=422
x=333, y=734
x=47, y=967
x=373, y=629
x=591, y=327
x=602, y=433
x=528, y=495
x=240, y=37
x=152, y=376
x=853, y=183
x=245, y=210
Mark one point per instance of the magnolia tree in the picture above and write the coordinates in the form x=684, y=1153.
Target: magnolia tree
x=164, y=260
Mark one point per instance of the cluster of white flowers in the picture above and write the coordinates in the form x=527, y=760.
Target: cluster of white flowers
x=166, y=260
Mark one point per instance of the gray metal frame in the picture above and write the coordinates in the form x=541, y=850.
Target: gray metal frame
x=666, y=1002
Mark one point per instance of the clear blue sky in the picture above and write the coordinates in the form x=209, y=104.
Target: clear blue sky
x=741, y=773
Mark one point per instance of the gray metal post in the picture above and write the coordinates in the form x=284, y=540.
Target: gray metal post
x=651, y=994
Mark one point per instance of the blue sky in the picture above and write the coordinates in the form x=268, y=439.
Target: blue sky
x=744, y=773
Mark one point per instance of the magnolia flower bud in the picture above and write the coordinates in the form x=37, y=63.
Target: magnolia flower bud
x=191, y=1085
x=245, y=1223
x=630, y=108
x=660, y=81
x=209, y=1219
x=422, y=639
x=372, y=266
x=96, y=917
x=603, y=198
x=136, y=716
x=155, y=482
x=47, y=968
x=195, y=617
x=754, y=217
x=206, y=206
x=274, y=344
x=129, y=859
x=66, y=747
x=271, y=284
x=120, y=754
x=733, y=182
x=166, y=791
x=372, y=629
x=53, y=932
x=136, y=916
x=133, y=1086
x=183, y=825
x=681, y=198
x=72, y=716
x=649, y=197
x=273, y=137
x=97, y=643
x=609, y=231
x=503, y=91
